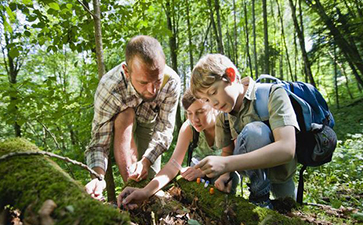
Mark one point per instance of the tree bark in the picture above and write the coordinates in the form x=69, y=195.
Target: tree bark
x=98, y=38
x=235, y=49
x=247, y=38
x=190, y=43
x=300, y=34
x=284, y=39
x=265, y=29
x=254, y=38
x=28, y=181
x=220, y=42
x=170, y=16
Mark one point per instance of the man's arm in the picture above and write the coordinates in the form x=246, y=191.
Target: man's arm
x=125, y=150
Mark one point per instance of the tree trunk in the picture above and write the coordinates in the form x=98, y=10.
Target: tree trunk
x=173, y=53
x=214, y=27
x=265, y=29
x=190, y=43
x=254, y=38
x=98, y=38
x=247, y=38
x=235, y=49
x=350, y=51
x=300, y=34
x=28, y=181
x=220, y=42
x=205, y=40
x=336, y=77
x=284, y=39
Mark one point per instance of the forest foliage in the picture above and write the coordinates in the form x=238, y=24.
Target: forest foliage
x=48, y=72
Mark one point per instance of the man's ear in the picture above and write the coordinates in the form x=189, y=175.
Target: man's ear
x=126, y=70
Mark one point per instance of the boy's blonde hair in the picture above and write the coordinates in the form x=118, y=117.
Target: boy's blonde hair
x=210, y=69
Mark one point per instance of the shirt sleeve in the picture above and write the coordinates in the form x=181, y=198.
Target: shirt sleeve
x=223, y=133
x=280, y=109
x=106, y=105
x=164, y=127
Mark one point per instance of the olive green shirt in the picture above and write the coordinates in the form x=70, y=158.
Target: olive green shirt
x=281, y=113
x=203, y=149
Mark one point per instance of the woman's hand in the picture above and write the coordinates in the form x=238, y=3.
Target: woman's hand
x=191, y=173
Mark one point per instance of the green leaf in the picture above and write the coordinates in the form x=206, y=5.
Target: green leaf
x=7, y=27
x=10, y=13
x=54, y=6
x=14, y=53
x=27, y=33
x=27, y=2
x=69, y=6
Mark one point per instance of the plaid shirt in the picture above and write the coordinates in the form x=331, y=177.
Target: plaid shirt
x=115, y=94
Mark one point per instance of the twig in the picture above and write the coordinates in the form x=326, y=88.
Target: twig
x=87, y=9
x=12, y=154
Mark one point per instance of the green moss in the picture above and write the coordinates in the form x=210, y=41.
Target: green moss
x=31, y=180
x=219, y=204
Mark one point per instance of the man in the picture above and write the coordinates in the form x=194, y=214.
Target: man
x=136, y=102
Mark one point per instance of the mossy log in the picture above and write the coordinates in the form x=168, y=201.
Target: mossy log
x=230, y=209
x=219, y=208
x=29, y=181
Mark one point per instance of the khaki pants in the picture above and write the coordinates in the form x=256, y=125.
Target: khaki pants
x=142, y=135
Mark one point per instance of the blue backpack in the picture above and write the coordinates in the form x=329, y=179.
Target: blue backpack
x=316, y=141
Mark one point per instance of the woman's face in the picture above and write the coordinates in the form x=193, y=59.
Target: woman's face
x=201, y=115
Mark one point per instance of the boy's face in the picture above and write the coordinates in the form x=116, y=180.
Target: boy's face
x=222, y=95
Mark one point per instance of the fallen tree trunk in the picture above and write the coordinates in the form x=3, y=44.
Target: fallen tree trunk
x=42, y=191
x=200, y=205
x=27, y=182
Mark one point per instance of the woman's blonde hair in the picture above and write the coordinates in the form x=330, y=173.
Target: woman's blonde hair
x=210, y=69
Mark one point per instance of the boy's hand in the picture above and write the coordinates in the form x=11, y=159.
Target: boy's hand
x=95, y=188
x=140, y=170
x=212, y=166
x=130, y=198
x=223, y=183
x=191, y=173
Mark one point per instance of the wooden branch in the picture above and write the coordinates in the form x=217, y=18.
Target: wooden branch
x=51, y=134
x=66, y=159
x=87, y=9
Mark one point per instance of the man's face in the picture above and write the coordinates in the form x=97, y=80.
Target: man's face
x=222, y=96
x=145, y=79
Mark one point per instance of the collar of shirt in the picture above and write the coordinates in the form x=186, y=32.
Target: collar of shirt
x=250, y=92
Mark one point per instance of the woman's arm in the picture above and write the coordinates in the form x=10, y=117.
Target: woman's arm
x=130, y=197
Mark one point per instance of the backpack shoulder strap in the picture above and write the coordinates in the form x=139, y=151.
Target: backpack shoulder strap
x=192, y=145
x=261, y=103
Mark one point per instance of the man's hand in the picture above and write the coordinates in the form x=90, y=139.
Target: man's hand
x=223, y=183
x=130, y=198
x=141, y=169
x=95, y=188
x=213, y=166
x=191, y=173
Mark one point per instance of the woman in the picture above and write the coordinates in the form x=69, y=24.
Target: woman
x=202, y=117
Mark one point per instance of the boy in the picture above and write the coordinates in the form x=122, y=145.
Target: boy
x=263, y=153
